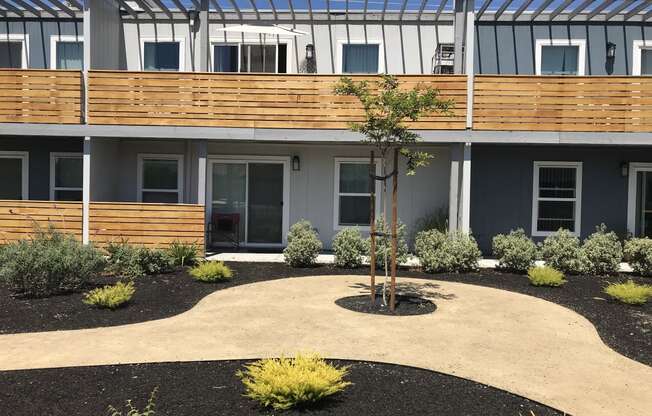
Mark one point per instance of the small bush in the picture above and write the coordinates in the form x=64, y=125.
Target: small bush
x=638, y=253
x=303, y=246
x=182, y=254
x=384, y=244
x=629, y=292
x=441, y=252
x=515, y=251
x=110, y=297
x=601, y=253
x=284, y=383
x=349, y=248
x=211, y=271
x=149, y=410
x=561, y=251
x=136, y=261
x=51, y=262
x=545, y=276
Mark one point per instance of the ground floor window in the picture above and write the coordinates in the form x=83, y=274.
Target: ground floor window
x=66, y=181
x=352, y=192
x=160, y=178
x=14, y=172
x=557, y=194
x=639, y=200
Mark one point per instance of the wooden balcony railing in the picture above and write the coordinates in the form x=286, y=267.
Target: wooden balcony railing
x=40, y=96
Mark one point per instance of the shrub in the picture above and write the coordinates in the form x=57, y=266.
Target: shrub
x=601, y=253
x=136, y=261
x=284, y=383
x=51, y=262
x=149, y=410
x=435, y=220
x=545, y=276
x=111, y=296
x=182, y=254
x=638, y=253
x=515, y=251
x=629, y=292
x=561, y=251
x=441, y=252
x=303, y=246
x=384, y=244
x=211, y=271
x=349, y=248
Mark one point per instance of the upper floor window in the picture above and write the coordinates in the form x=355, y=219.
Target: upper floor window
x=66, y=176
x=360, y=58
x=642, y=57
x=556, y=197
x=67, y=52
x=560, y=56
x=160, y=178
x=162, y=56
x=13, y=51
x=250, y=58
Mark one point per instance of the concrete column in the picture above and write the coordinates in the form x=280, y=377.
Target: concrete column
x=204, y=43
x=465, y=192
x=454, y=188
x=86, y=190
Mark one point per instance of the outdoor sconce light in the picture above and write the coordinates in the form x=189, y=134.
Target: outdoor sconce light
x=193, y=17
x=310, y=51
x=296, y=163
x=624, y=169
x=611, y=50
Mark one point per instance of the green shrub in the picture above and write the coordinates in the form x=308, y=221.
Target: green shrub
x=303, y=246
x=211, y=271
x=349, y=248
x=384, y=244
x=545, y=276
x=515, y=251
x=629, y=292
x=601, y=253
x=51, y=262
x=638, y=253
x=284, y=383
x=561, y=251
x=149, y=410
x=182, y=254
x=441, y=252
x=136, y=261
x=111, y=296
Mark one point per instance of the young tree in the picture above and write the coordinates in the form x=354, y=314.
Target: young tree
x=387, y=109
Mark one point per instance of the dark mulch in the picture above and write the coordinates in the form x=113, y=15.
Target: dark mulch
x=405, y=305
x=211, y=388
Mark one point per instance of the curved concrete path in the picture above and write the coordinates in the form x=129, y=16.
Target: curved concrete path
x=514, y=342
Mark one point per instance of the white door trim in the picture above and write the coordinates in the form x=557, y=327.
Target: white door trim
x=634, y=169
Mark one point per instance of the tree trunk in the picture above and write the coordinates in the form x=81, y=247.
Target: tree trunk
x=392, y=296
x=372, y=227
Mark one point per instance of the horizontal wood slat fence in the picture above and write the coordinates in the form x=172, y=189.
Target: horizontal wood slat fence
x=247, y=100
x=40, y=96
x=563, y=103
x=19, y=219
x=151, y=225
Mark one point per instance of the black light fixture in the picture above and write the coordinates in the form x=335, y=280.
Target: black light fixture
x=611, y=50
x=193, y=17
x=624, y=169
x=310, y=51
x=296, y=163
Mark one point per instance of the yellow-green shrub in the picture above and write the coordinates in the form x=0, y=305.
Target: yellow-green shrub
x=629, y=292
x=211, y=271
x=282, y=383
x=545, y=276
x=111, y=296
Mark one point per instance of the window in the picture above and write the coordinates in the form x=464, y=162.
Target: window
x=225, y=58
x=162, y=56
x=360, y=58
x=67, y=52
x=352, y=196
x=642, y=57
x=250, y=58
x=556, y=197
x=13, y=51
x=66, y=176
x=14, y=173
x=160, y=178
x=560, y=56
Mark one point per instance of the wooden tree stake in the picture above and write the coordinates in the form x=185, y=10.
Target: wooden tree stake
x=392, y=291
x=372, y=227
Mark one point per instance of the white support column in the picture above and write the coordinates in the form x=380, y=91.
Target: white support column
x=454, y=187
x=458, y=58
x=469, y=47
x=465, y=194
x=202, y=156
x=86, y=190
x=88, y=33
x=204, y=43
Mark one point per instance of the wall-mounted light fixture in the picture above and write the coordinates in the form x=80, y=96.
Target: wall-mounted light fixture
x=296, y=163
x=611, y=50
x=193, y=17
x=310, y=51
x=624, y=169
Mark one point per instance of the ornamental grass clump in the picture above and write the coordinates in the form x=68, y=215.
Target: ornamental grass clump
x=132, y=262
x=284, y=383
x=514, y=251
x=182, y=254
x=638, y=253
x=545, y=276
x=348, y=248
x=561, y=251
x=440, y=252
x=211, y=272
x=601, y=252
x=149, y=410
x=303, y=246
x=629, y=292
x=111, y=296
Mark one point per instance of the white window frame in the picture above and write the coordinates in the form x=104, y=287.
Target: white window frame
x=340, y=52
x=54, y=39
x=337, y=194
x=24, y=39
x=24, y=157
x=287, y=42
x=182, y=50
x=581, y=52
x=53, y=159
x=637, y=55
x=536, y=199
x=634, y=169
x=180, y=174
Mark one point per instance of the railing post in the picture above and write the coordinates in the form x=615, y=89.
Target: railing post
x=86, y=190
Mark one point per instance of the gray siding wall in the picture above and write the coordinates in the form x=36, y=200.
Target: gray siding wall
x=510, y=48
x=107, y=36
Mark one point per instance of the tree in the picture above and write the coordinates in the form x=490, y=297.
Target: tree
x=387, y=109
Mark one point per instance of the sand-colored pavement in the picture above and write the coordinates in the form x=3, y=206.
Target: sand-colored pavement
x=511, y=341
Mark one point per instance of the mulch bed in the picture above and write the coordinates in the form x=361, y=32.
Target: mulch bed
x=405, y=305
x=211, y=388
x=626, y=329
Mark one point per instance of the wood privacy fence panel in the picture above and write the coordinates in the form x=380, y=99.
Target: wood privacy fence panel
x=563, y=103
x=40, y=96
x=19, y=219
x=246, y=100
x=152, y=225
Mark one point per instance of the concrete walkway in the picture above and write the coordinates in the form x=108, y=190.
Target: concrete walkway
x=511, y=341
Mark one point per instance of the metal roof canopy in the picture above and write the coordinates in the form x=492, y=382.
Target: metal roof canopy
x=70, y=9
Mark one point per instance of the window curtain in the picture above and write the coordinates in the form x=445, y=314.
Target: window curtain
x=559, y=60
x=646, y=62
x=360, y=59
x=70, y=55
